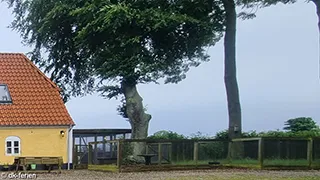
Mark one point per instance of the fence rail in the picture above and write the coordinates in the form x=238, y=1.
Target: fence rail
x=260, y=152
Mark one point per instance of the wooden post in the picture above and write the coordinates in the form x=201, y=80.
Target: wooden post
x=170, y=153
x=95, y=149
x=288, y=149
x=73, y=147
x=90, y=154
x=159, y=153
x=75, y=156
x=230, y=152
x=310, y=152
x=279, y=149
x=260, y=152
x=95, y=140
x=111, y=146
x=115, y=147
x=183, y=152
x=104, y=144
x=147, y=148
x=119, y=154
x=195, y=151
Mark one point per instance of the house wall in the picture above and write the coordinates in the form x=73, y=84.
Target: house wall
x=36, y=141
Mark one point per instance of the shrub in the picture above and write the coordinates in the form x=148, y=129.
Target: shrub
x=166, y=135
x=199, y=135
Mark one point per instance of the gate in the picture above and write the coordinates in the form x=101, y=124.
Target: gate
x=80, y=156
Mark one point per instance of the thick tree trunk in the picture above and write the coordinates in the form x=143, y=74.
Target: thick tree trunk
x=317, y=3
x=230, y=77
x=138, y=119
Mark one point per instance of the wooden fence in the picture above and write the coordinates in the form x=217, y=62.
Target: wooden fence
x=192, y=151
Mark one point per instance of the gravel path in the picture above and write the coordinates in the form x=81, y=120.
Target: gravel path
x=182, y=175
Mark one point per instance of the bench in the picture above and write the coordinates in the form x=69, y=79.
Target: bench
x=48, y=161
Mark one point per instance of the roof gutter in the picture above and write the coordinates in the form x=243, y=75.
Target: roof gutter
x=68, y=146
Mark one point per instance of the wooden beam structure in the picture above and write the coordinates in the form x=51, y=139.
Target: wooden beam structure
x=195, y=152
x=261, y=152
x=159, y=153
x=310, y=152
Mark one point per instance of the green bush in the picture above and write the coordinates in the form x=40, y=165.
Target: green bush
x=213, y=150
x=199, y=135
x=219, y=150
x=166, y=135
x=223, y=135
x=306, y=134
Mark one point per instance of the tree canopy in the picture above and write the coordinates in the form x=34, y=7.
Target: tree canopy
x=134, y=40
x=250, y=7
x=300, y=124
x=110, y=46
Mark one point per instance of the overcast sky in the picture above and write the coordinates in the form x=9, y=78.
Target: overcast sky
x=278, y=76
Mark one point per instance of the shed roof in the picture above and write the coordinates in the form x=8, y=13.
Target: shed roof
x=99, y=132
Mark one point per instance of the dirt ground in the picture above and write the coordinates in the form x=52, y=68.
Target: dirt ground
x=182, y=175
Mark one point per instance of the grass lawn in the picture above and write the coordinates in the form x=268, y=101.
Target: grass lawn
x=286, y=162
x=249, y=177
x=253, y=162
x=222, y=161
x=107, y=168
x=228, y=174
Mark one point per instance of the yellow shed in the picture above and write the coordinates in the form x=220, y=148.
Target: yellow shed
x=33, y=118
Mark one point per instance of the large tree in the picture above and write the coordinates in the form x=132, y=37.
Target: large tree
x=254, y=5
x=317, y=4
x=230, y=74
x=110, y=46
x=300, y=124
x=248, y=11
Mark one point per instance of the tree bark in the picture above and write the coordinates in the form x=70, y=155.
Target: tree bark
x=317, y=3
x=137, y=116
x=230, y=77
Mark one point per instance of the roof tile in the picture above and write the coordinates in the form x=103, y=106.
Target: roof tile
x=35, y=98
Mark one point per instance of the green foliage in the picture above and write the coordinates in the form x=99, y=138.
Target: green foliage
x=250, y=7
x=166, y=135
x=94, y=45
x=173, y=135
x=300, y=124
x=306, y=134
x=213, y=150
x=223, y=135
x=298, y=127
x=250, y=134
x=198, y=135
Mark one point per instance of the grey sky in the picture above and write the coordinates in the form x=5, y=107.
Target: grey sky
x=278, y=76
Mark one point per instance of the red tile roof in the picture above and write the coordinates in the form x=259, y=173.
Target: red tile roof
x=36, y=100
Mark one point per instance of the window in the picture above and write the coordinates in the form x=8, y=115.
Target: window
x=4, y=94
x=12, y=145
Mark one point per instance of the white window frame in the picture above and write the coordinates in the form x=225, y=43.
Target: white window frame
x=13, y=139
x=5, y=94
